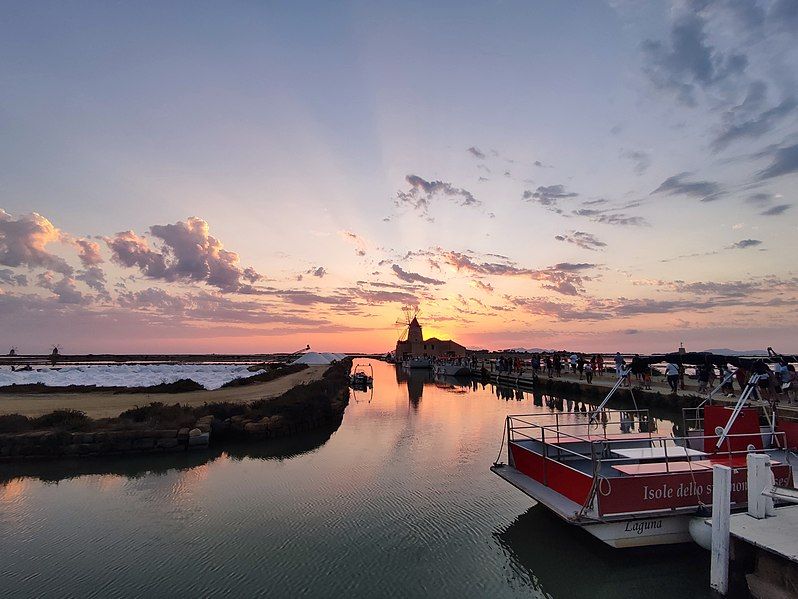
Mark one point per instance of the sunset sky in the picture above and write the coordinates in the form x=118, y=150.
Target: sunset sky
x=257, y=176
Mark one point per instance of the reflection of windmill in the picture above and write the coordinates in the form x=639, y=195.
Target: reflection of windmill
x=409, y=312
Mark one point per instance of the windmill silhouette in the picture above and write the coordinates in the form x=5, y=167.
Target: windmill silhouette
x=409, y=313
x=12, y=351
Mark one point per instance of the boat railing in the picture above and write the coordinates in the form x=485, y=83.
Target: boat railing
x=561, y=442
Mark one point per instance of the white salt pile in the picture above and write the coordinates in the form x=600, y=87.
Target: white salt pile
x=210, y=376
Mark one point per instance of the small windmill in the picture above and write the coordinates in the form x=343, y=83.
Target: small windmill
x=409, y=313
x=55, y=353
x=12, y=351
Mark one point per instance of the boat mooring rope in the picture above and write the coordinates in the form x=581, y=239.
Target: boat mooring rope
x=498, y=457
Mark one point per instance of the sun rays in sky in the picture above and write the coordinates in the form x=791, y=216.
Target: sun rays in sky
x=598, y=176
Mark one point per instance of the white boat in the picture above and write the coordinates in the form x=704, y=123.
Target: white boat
x=419, y=362
x=451, y=369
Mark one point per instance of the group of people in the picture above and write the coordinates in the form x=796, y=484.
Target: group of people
x=778, y=382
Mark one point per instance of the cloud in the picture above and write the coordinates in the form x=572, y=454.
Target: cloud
x=356, y=240
x=581, y=239
x=776, y=210
x=9, y=277
x=317, y=272
x=23, y=242
x=64, y=289
x=482, y=285
x=640, y=158
x=564, y=278
x=412, y=277
x=94, y=278
x=88, y=251
x=688, y=61
x=476, y=152
x=784, y=15
x=706, y=191
x=549, y=196
x=745, y=243
x=733, y=127
x=759, y=198
x=422, y=192
x=784, y=161
x=188, y=252
x=620, y=219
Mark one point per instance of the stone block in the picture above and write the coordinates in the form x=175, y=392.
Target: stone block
x=201, y=440
x=165, y=443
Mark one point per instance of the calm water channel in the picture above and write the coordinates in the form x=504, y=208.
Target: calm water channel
x=397, y=502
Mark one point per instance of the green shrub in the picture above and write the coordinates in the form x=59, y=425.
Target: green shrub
x=68, y=420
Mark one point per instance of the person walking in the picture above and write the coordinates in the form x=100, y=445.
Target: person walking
x=589, y=373
x=599, y=365
x=672, y=374
x=618, y=364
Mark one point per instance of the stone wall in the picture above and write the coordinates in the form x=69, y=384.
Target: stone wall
x=51, y=444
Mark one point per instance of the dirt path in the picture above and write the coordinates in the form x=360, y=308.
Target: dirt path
x=110, y=405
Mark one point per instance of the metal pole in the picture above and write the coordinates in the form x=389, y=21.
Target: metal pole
x=721, y=499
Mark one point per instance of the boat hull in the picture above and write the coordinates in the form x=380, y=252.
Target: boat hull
x=667, y=530
x=617, y=532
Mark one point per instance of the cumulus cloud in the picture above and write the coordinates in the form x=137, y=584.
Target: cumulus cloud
x=94, y=277
x=422, y=192
x=9, y=277
x=188, y=252
x=88, y=251
x=705, y=191
x=581, y=239
x=688, y=60
x=319, y=272
x=64, y=289
x=413, y=277
x=23, y=242
x=476, y=152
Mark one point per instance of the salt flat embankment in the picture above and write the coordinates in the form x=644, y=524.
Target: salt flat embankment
x=102, y=404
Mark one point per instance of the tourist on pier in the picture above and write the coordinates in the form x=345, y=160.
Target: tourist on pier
x=599, y=365
x=647, y=377
x=589, y=373
x=672, y=374
x=703, y=377
x=549, y=366
x=580, y=366
x=557, y=365
x=574, y=360
x=618, y=364
x=728, y=386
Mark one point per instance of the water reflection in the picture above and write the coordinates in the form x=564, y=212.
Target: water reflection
x=541, y=549
x=136, y=466
x=397, y=501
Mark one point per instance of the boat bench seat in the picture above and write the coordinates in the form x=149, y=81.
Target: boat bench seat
x=660, y=467
x=734, y=461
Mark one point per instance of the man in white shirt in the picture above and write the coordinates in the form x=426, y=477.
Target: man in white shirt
x=672, y=372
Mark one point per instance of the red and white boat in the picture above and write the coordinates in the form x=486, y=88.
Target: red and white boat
x=633, y=489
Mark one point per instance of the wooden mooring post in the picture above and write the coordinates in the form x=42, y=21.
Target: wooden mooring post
x=721, y=504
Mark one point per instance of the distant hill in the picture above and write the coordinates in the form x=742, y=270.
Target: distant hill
x=724, y=351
